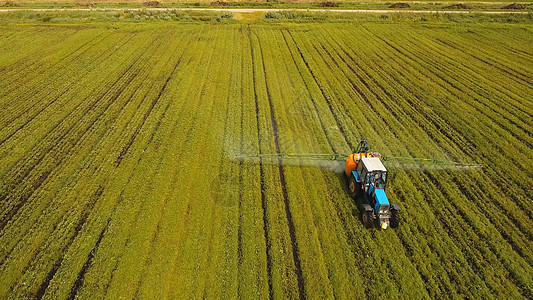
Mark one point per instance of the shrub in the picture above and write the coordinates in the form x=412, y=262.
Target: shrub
x=457, y=6
x=515, y=6
x=89, y=5
x=272, y=15
x=400, y=5
x=328, y=4
x=10, y=4
x=219, y=3
x=152, y=3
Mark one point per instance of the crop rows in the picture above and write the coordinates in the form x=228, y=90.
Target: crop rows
x=118, y=176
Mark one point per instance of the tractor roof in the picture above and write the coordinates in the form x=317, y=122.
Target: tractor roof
x=373, y=164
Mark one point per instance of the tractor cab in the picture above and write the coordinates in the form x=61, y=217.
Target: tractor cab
x=372, y=172
x=370, y=178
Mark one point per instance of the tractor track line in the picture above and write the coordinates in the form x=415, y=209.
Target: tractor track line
x=350, y=235
x=470, y=194
x=326, y=98
x=389, y=110
x=48, y=92
x=160, y=164
x=364, y=97
x=511, y=160
x=292, y=229
x=42, y=180
x=261, y=168
x=86, y=211
x=42, y=156
x=516, y=74
x=240, y=258
x=127, y=241
x=471, y=260
x=146, y=114
x=222, y=167
x=321, y=122
x=58, y=164
x=88, y=263
x=52, y=129
x=62, y=61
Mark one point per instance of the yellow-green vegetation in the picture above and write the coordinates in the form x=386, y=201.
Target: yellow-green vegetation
x=117, y=178
x=288, y=4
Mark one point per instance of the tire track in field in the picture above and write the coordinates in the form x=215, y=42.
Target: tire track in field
x=63, y=61
x=39, y=111
x=127, y=241
x=348, y=232
x=342, y=130
x=509, y=241
x=88, y=263
x=519, y=75
x=290, y=222
x=366, y=84
x=112, y=100
x=511, y=274
x=308, y=86
x=86, y=211
x=240, y=259
x=30, y=111
x=42, y=178
x=125, y=149
x=174, y=183
x=502, y=182
x=261, y=168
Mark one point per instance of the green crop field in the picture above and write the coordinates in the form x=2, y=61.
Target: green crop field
x=118, y=175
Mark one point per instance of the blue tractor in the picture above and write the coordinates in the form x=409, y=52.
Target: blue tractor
x=367, y=178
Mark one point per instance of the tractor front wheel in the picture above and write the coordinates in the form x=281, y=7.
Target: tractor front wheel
x=354, y=187
x=368, y=221
x=394, y=219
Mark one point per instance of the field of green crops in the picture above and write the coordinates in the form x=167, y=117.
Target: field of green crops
x=118, y=176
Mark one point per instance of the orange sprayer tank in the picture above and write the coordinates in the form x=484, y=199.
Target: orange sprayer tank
x=351, y=163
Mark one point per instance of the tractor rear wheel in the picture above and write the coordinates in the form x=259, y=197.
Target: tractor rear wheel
x=353, y=187
x=368, y=221
x=394, y=219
